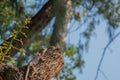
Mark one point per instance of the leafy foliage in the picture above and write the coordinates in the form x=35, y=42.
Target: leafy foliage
x=10, y=11
x=67, y=73
x=6, y=18
x=71, y=50
x=8, y=45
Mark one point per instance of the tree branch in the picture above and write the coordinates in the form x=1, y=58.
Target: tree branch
x=104, y=75
x=38, y=23
x=103, y=54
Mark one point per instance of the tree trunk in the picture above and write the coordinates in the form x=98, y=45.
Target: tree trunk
x=63, y=16
x=43, y=66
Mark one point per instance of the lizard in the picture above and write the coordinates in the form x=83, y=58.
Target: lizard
x=35, y=61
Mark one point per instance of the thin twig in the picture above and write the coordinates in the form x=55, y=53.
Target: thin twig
x=104, y=75
x=103, y=54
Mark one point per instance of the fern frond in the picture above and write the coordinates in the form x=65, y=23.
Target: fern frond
x=8, y=45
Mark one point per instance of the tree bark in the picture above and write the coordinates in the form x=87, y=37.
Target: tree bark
x=44, y=66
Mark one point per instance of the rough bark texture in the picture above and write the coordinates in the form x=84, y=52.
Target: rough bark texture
x=45, y=68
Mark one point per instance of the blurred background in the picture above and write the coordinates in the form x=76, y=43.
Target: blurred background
x=87, y=31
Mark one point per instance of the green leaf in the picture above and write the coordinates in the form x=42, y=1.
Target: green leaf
x=71, y=50
x=13, y=61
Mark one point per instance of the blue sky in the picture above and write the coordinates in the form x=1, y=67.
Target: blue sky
x=110, y=65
